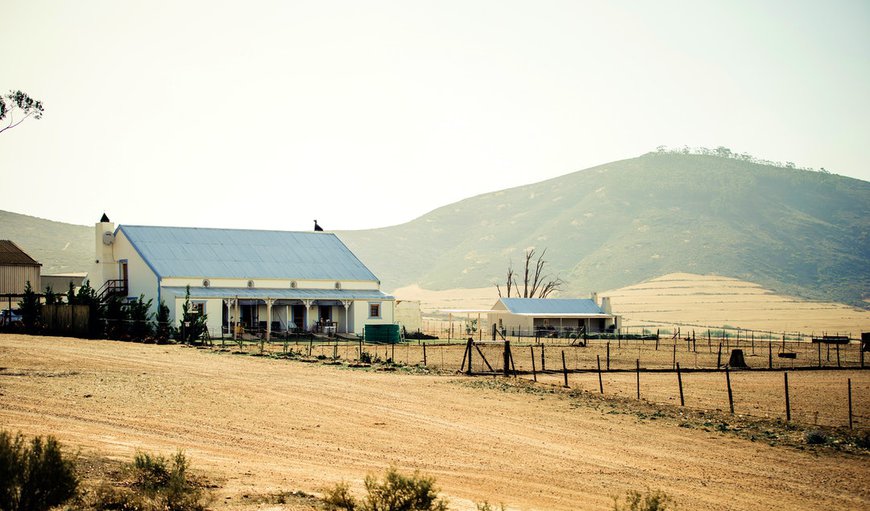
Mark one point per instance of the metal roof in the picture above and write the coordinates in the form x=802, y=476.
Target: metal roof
x=276, y=293
x=553, y=307
x=12, y=255
x=241, y=253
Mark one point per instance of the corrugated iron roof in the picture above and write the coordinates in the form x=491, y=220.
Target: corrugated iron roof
x=240, y=253
x=277, y=294
x=12, y=255
x=551, y=306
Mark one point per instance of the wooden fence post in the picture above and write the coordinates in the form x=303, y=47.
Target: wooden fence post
x=468, y=347
x=674, y=364
x=564, y=369
x=730, y=395
x=507, y=358
x=657, y=338
x=424, y=355
x=680, y=382
x=838, y=355
x=543, y=362
x=600, y=383
x=787, y=402
x=719, y=357
x=608, y=355
x=850, y=402
x=770, y=354
x=534, y=372
x=638, y=377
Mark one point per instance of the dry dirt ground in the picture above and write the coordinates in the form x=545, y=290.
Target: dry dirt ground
x=254, y=426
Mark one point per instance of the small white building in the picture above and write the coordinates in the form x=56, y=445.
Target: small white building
x=557, y=316
x=409, y=315
x=266, y=281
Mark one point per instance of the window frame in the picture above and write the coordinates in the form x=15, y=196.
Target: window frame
x=380, y=309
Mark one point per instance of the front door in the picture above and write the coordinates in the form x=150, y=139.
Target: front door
x=299, y=316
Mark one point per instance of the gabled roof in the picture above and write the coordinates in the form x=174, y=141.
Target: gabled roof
x=240, y=253
x=12, y=255
x=553, y=307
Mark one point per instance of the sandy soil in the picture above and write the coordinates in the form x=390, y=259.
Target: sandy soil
x=257, y=425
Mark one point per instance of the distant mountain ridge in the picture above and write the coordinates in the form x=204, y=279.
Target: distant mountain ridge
x=793, y=231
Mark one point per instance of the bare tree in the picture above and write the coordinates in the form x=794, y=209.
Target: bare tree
x=18, y=100
x=536, y=282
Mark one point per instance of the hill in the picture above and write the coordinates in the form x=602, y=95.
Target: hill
x=793, y=231
x=60, y=247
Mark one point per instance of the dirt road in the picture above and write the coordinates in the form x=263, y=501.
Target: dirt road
x=257, y=425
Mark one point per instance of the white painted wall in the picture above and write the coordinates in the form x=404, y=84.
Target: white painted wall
x=141, y=280
x=409, y=315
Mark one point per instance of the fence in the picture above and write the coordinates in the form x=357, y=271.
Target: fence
x=64, y=319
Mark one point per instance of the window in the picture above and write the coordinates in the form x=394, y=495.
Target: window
x=197, y=308
x=374, y=310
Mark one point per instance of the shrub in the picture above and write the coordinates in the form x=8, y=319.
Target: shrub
x=34, y=477
x=162, y=486
x=339, y=498
x=396, y=492
x=815, y=437
x=650, y=501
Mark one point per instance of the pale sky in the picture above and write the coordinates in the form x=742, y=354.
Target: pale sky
x=269, y=114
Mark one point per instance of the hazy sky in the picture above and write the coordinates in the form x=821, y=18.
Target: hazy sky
x=268, y=114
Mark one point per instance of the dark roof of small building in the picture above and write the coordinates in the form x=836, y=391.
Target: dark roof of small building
x=12, y=255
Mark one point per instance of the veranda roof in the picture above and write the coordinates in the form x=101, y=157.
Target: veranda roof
x=276, y=294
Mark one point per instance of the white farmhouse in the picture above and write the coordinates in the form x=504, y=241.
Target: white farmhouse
x=262, y=280
x=525, y=316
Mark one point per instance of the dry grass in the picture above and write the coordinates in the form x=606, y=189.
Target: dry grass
x=684, y=298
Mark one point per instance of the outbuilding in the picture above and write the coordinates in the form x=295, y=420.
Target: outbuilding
x=556, y=317
x=263, y=281
x=17, y=269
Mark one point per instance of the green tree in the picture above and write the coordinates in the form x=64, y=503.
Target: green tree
x=192, y=324
x=31, y=308
x=163, y=329
x=88, y=296
x=51, y=297
x=18, y=106
x=140, y=318
x=115, y=317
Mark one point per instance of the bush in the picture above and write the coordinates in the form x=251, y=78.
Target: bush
x=815, y=437
x=339, y=498
x=396, y=492
x=34, y=477
x=166, y=487
x=651, y=501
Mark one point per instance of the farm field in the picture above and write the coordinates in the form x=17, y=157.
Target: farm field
x=680, y=298
x=256, y=425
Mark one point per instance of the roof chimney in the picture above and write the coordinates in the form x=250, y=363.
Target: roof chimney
x=605, y=305
x=595, y=297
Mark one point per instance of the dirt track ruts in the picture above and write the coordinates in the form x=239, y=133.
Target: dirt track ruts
x=260, y=425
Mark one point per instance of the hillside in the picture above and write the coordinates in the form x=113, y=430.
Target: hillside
x=60, y=247
x=792, y=231
x=795, y=232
